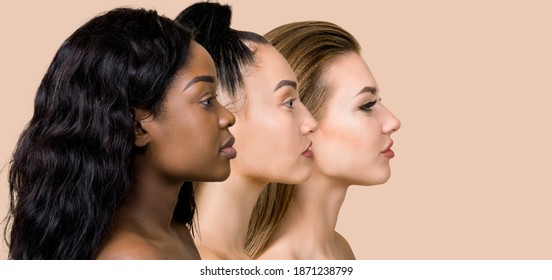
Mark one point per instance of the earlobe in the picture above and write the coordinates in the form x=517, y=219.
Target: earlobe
x=141, y=135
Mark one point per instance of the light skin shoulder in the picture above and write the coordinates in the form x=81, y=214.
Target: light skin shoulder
x=344, y=247
x=279, y=253
x=207, y=254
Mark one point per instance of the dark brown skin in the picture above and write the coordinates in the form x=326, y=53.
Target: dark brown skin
x=183, y=143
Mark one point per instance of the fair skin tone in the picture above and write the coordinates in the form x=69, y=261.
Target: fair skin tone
x=271, y=138
x=351, y=147
x=174, y=153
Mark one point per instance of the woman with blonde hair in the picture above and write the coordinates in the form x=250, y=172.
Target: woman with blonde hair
x=351, y=147
x=271, y=130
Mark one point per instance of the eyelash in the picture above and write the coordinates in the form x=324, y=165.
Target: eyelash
x=367, y=107
x=208, y=102
x=290, y=102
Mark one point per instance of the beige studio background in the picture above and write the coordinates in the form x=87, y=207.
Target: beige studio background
x=471, y=82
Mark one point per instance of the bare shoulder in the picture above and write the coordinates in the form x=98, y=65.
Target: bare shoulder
x=129, y=246
x=208, y=254
x=344, y=247
x=276, y=256
x=279, y=251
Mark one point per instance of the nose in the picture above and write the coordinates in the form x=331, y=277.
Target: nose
x=309, y=124
x=391, y=123
x=226, y=118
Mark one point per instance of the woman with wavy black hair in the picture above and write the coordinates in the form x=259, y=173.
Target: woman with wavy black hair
x=271, y=130
x=124, y=116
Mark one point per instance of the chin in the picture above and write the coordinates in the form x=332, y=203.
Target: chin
x=295, y=177
x=222, y=176
x=304, y=176
x=373, y=179
x=215, y=175
x=381, y=179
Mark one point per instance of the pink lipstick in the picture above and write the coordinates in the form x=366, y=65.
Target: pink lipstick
x=308, y=153
x=388, y=152
x=228, y=150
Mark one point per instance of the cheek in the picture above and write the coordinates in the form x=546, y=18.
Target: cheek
x=336, y=144
x=265, y=131
x=361, y=133
x=268, y=148
x=196, y=132
x=192, y=144
x=348, y=150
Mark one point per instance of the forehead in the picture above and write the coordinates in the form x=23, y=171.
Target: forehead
x=271, y=64
x=199, y=62
x=348, y=74
x=261, y=79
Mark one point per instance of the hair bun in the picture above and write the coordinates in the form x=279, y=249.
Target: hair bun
x=211, y=24
x=209, y=21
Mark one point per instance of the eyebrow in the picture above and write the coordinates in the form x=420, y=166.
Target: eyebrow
x=206, y=78
x=283, y=83
x=371, y=90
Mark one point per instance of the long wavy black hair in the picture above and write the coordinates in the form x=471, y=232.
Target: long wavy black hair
x=73, y=164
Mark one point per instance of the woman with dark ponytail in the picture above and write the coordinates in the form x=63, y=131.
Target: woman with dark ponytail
x=124, y=116
x=272, y=129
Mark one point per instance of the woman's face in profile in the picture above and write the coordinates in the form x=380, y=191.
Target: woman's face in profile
x=189, y=138
x=272, y=124
x=354, y=139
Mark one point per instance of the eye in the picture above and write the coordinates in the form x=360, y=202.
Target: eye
x=208, y=102
x=289, y=103
x=367, y=107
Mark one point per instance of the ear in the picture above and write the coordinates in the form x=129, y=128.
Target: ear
x=141, y=119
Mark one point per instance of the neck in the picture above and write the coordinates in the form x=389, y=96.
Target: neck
x=151, y=203
x=223, y=214
x=310, y=221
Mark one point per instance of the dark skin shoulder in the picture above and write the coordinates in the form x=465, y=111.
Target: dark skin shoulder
x=130, y=243
x=129, y=246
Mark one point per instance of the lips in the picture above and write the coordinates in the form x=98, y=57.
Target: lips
x=308, y=153
x=388, y=152
x=227, y=148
